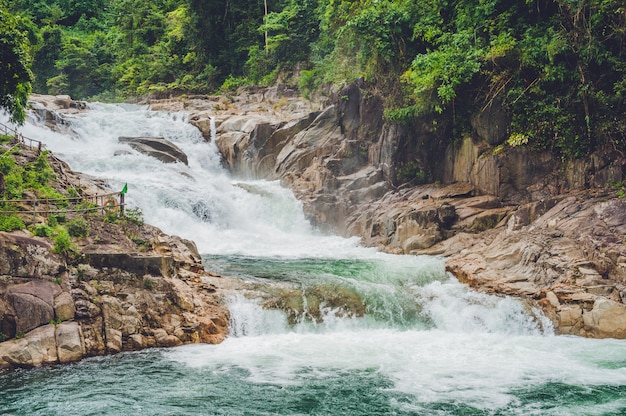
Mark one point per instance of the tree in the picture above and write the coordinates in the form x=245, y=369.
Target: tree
x=15, y=74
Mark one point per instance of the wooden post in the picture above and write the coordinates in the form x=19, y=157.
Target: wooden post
x=121, y=205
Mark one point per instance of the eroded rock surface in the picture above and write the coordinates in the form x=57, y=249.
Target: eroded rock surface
x=508, y=220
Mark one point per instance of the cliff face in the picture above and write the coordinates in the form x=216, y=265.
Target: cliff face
x=509, y=220
x=128, y=286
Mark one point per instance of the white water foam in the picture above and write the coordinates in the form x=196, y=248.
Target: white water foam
x=202, y=202
x=477, y=350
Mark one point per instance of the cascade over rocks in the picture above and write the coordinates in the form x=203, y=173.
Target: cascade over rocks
x=509, y=220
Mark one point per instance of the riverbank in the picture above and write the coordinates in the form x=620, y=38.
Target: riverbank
x=508, y=220
x=557, y=247
x=121, y=285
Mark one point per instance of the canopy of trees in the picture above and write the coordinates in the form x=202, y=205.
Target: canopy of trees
x=15, y=75
x=557, y=67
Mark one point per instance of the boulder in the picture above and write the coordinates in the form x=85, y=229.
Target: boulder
x=36, y=348
x=607, y=319
x=32, y=304
x=163, y=339
x=69, y=340
x=64, y=308
x=157, y=147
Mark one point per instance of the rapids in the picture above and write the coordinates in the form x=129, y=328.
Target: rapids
x=425, y=344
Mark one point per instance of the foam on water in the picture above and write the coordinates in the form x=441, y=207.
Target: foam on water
x=426, y=345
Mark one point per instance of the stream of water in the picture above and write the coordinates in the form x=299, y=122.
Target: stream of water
x=425, y=344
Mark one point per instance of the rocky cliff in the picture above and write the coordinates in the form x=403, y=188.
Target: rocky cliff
x=124, y=286
x=509, y=220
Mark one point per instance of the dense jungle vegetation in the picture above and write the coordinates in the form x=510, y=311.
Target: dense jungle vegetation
x=557, y=67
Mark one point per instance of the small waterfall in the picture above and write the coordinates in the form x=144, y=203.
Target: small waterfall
x=248, y=318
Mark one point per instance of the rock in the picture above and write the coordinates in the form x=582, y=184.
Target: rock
x=553, y=299
x=113, y=340
x=314, y=301
x=163, y=339
x=30, y=310
x=139, y=264
x=607, y=319
x=63, y=101
x=69, y=340
x=36, y=348
x=492, y=124
x=157, y=147
x=136, y=342
x=64, y=308
x=23, y=256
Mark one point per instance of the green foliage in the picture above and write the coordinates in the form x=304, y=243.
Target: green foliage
x=55, y=219
x=15, y=73
x=62, y=242
x=556, y=66
x=2, y=337
x=11, y=222
x=411, y=172
x=134, y=216
x=619, y=185
x=42, y=230
x=78, y=228
x=148, y=284
x=231, y=84
x=111, y=217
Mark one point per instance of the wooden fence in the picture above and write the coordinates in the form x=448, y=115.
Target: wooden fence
x=20, y=139
x=104, y=203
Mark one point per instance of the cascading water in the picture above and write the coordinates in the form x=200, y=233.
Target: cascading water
x=413, y=340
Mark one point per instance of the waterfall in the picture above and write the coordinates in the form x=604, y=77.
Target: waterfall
x=352, y=330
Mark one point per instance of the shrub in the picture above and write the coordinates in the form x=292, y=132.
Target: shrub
x=11, y=222
x=78, y=228
x=148, y=284
x=42, y=230
x=134, y=215
x=111, y=217
x=62, y=243
x=410, y=172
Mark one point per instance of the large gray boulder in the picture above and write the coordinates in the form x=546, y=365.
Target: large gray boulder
x=158, y=147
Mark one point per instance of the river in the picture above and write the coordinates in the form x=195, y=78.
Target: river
x=425, y=345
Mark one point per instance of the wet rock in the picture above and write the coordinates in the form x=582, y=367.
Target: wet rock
x=607, y=319
x=316, y=302
x=163, y=339
x=157, y=147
